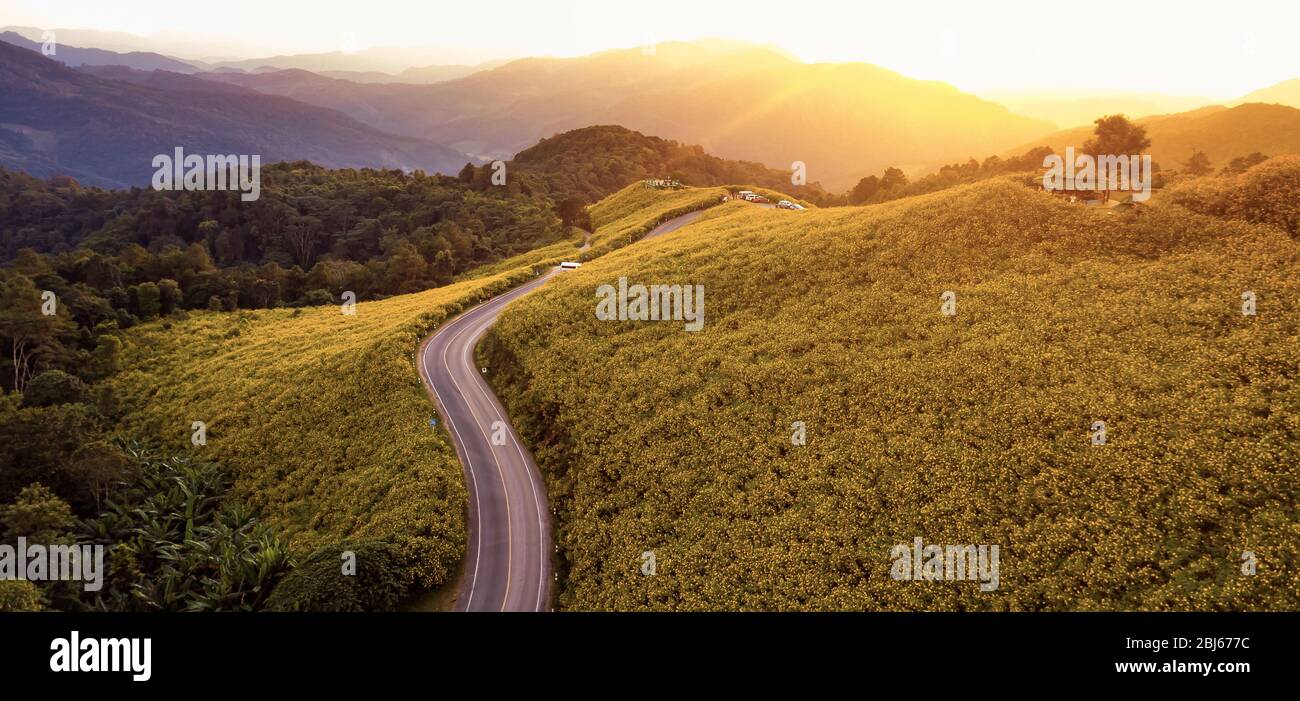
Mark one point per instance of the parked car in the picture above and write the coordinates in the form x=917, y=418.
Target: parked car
x=569, y=265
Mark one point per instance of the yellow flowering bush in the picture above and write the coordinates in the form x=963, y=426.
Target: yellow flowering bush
x=1268, y=193
x=320, y=416
x=632, y=212
x=974, y=428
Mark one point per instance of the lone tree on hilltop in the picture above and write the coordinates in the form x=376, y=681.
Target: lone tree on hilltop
x=1116, y=135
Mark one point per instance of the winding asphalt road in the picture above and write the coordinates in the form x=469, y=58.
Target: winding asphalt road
x=509, y=562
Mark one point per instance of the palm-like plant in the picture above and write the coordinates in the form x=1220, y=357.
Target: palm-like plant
x=177, y=546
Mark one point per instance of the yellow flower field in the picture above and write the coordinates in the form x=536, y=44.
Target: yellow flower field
x=974, y=428
x=321, y=416
x=630, y=213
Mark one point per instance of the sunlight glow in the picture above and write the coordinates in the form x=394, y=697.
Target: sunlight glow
x=1171, y=46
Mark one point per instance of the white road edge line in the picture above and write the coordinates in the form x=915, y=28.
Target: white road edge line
x=478, y=546
x=474, y=415
x=498, y=412
x=510, y=533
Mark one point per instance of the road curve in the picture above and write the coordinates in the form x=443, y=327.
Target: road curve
x=508, y=567
x=509, y=557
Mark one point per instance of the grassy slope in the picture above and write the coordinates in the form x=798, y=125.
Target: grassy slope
x=633, y=211
x=536, y=259
x=966, y=429
x=321, y=416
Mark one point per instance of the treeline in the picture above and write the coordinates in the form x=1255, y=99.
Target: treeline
x=374, y=232
x=585, y=165
x=112, y=259
x=893, y=183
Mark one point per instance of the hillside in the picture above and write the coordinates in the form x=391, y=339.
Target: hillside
x=624, y=217
x=737, y=100
x=973, y=428
x=1222, y=133
x=1268, y=193
x=1286, y=93
x=328, y=440
x=58, y=121
x=594, y=162
x=164, y=80
x=294, y=418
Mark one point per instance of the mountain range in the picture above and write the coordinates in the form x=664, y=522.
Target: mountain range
x=58, y=121
x=75, y=56
x=737, y=100
x=373, y=65
x=1285, y=93
x=1067, y=110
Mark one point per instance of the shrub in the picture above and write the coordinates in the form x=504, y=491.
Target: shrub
x=316, y=298
x=20, y=595
x=319, y=584
x=38, y=515
x=178, y=544
x=1267, y=193
x=41, y=444
x=107, y=357
x=54, y=387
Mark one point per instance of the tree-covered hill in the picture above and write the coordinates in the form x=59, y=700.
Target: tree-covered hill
x=597, y=161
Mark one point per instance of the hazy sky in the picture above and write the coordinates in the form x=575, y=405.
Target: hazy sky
x=1219, y=49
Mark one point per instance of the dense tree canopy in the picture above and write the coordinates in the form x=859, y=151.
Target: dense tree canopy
x=311, y=229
